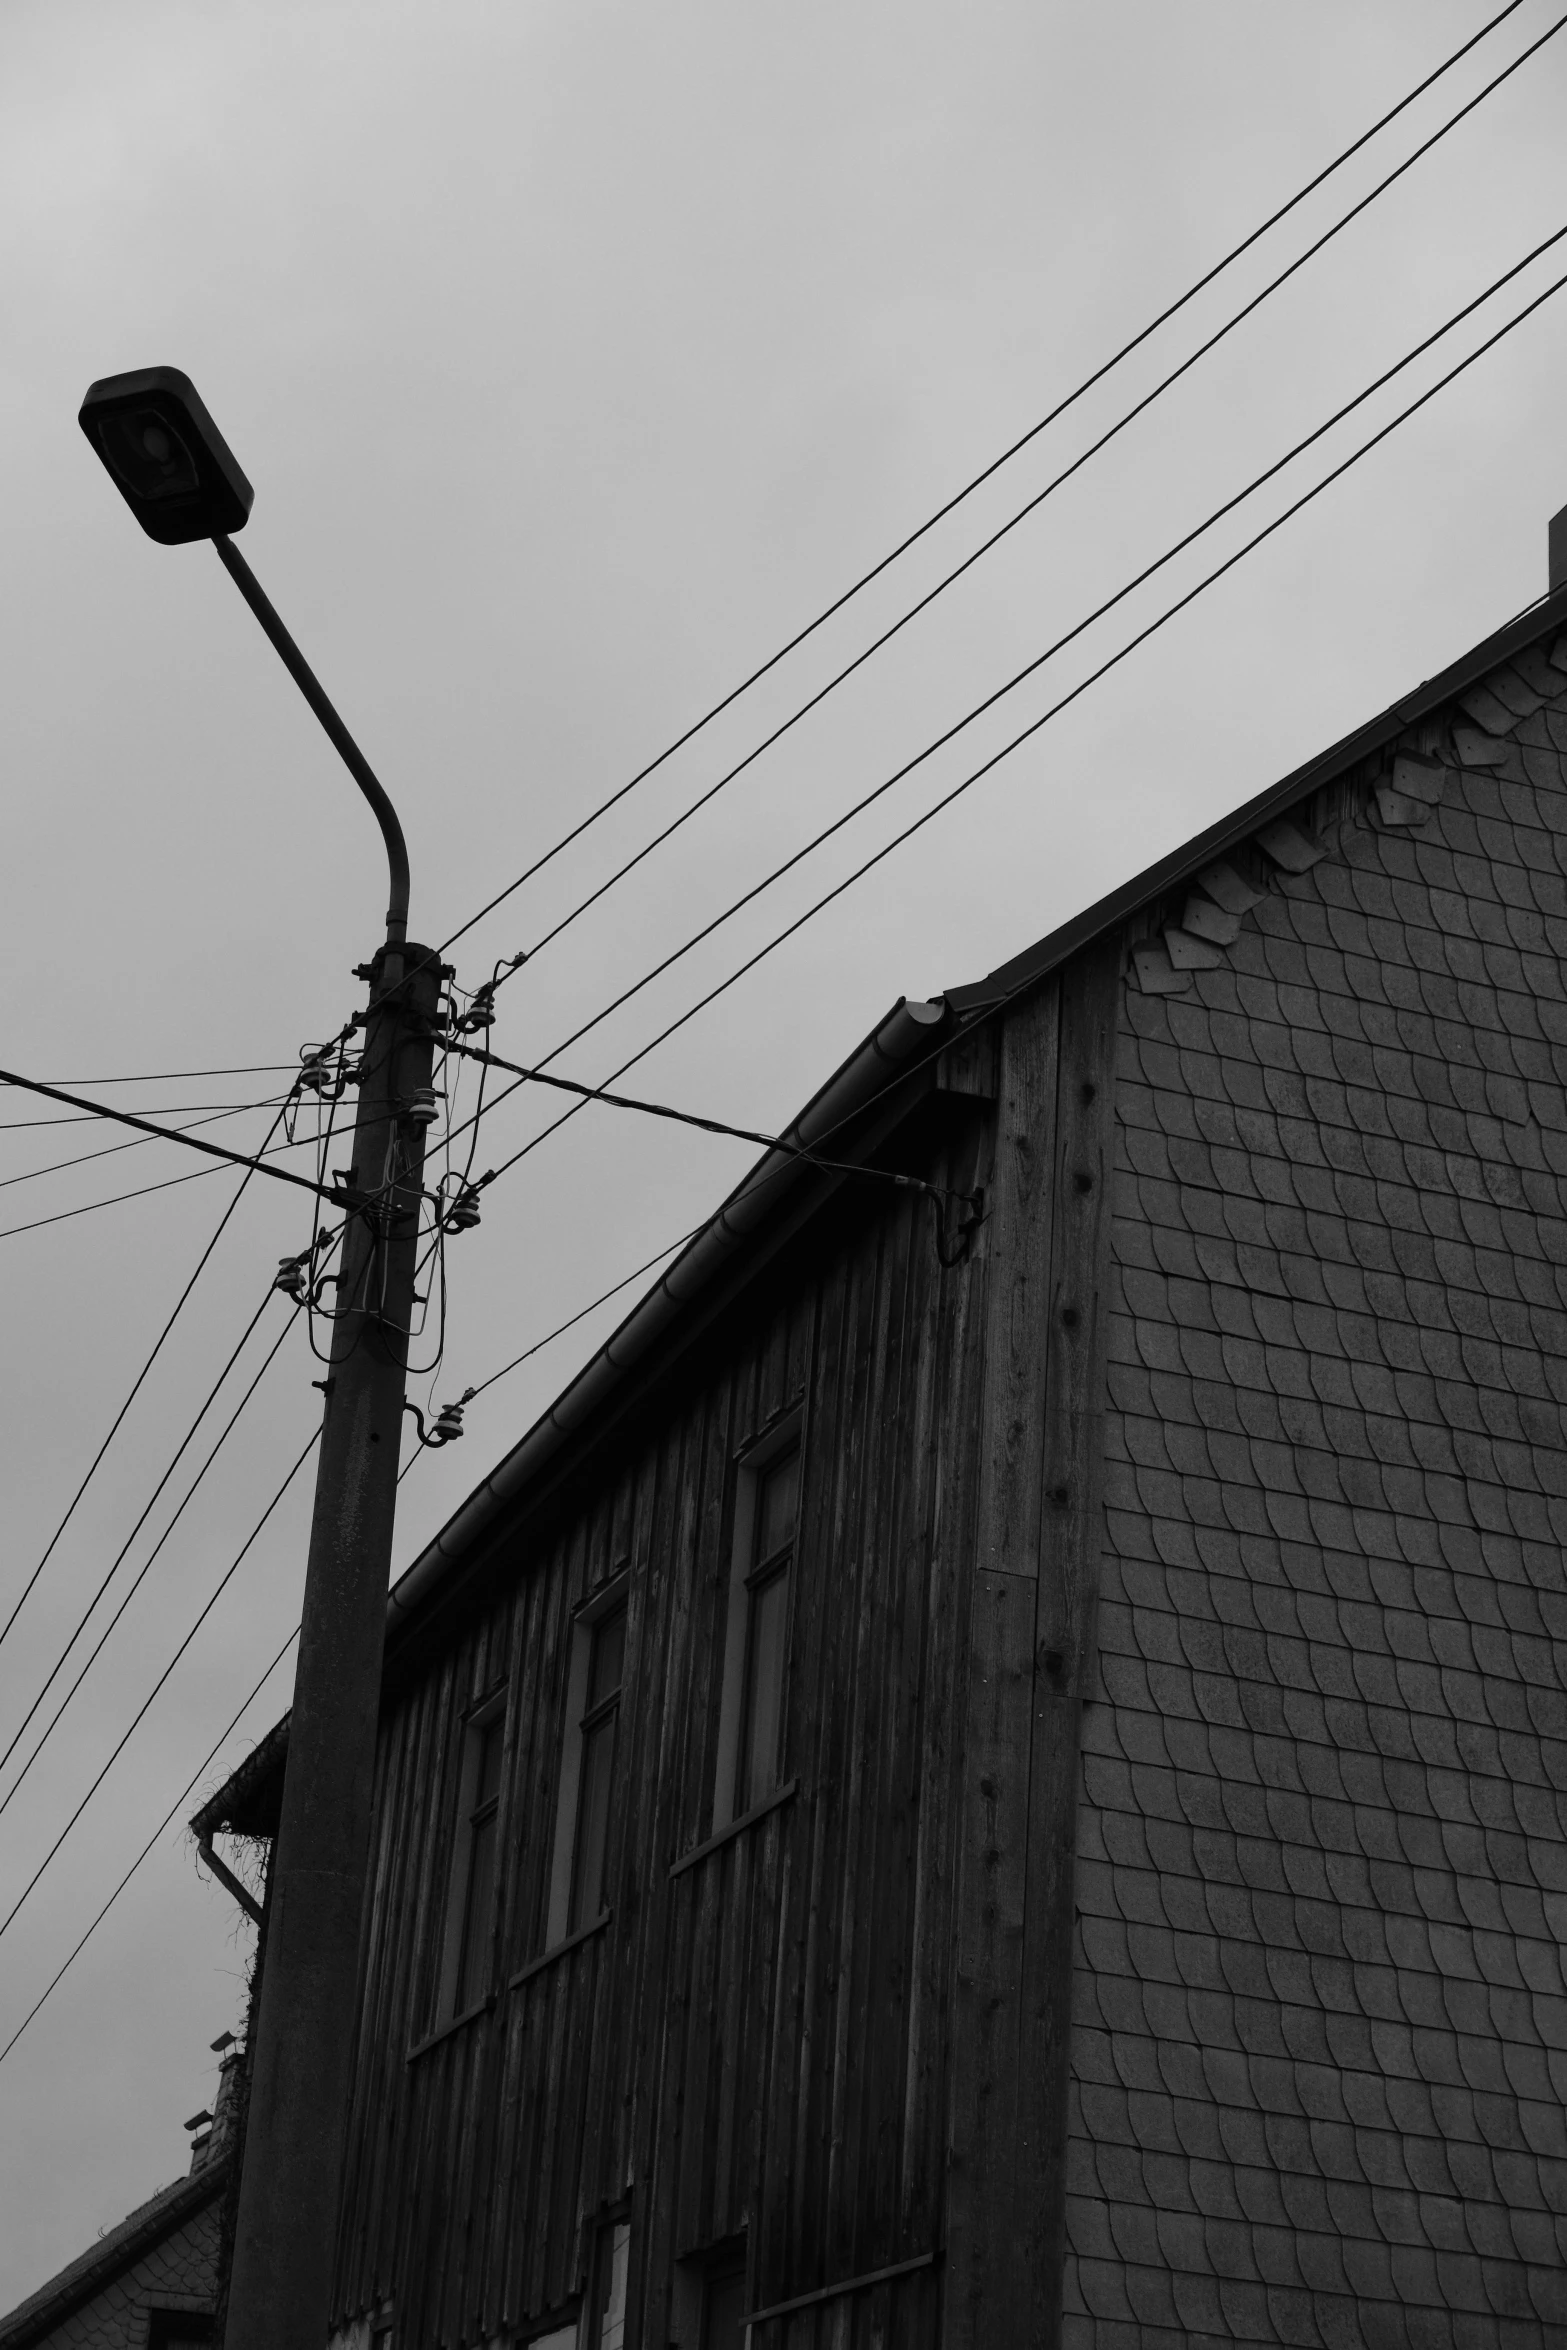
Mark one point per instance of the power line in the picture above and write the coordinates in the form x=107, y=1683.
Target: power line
x=223, y=1583
x=213, y=1150
x=117, y=1198
x=771, y=1142
x=583, y=1312
x=1060, y=643
x=1054, y=711
x=203, y=1765
x=176, y=1076
x=143, y=1571
x=815, y=700
x=728, y=700
x=158, y=1110
x=951, y=504
x=136, y=1387
x=183, y=1447
x=85, y=1158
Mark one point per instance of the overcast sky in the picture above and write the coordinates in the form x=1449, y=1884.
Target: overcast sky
x=579, y=354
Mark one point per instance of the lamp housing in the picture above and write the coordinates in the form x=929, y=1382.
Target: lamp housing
x=165, y=455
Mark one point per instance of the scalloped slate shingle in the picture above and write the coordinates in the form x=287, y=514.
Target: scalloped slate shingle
x=1320, y=2042
x=163, y=2256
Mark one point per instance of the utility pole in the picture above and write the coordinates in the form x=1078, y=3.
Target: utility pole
x=182, y=482
x=281, y=2278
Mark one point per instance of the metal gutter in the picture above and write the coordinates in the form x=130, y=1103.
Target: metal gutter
x=908, y=1032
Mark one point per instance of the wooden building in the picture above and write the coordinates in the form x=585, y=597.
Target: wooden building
x=992, y=1771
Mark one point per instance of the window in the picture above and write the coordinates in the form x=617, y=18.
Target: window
x=465, y=1971
x=756, y=1643
x=709, y=2299
x=723, y=2309
x=767, y=1630
x=596, y=1731
x=587, y=1764
x=178, y=2329
x=607, y=2310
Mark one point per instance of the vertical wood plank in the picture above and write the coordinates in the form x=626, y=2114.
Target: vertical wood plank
x=988, y=2284
x=761, y=2043
x=1075, y=1347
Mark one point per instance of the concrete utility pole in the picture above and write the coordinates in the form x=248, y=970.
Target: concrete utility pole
x=181, y=481
x=282, y=2272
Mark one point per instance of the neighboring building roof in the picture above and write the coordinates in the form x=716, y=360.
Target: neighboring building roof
x=857, y=1106
x=151, y=2225
x=247, y=1802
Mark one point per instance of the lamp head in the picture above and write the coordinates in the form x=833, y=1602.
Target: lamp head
x=166, y=457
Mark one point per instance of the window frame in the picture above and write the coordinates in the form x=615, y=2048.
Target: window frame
x=480, y=1718
x=612, y=2240
x=165, y=2323
x=697, y=2276
x=747, y=1576
x=586, y=1619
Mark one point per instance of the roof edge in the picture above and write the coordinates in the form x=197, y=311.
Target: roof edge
x=1168, y=872
x=908, y=1030
x=864, y=1074
x=244, y=1804
x=91, y=2271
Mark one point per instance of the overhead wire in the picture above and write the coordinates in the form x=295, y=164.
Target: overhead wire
x=986, y=473
x=186, y=1441
x=213, y=1751
x=728, y=700
x=814, y=701
x=141, y=1714
x=117, y=1199
x=1141, y=637
x=142, y=1571
x=158, y=1110
x=212, y=1150
x=137, y=1142
x=175, y=1076
x=773, y=1142
x=136, y=1387
x=570, y=1323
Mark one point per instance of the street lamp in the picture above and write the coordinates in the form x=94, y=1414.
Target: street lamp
x=181, y=481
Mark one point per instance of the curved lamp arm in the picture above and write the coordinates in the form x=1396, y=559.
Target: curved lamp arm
x=342, y=741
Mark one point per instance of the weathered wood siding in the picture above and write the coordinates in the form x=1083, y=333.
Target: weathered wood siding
x=1030, y=1651
x=759, y=2042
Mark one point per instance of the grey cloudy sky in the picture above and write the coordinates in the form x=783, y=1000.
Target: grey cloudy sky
x=579, y=353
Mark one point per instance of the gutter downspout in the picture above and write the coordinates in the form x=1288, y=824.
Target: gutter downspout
x=227, y=1879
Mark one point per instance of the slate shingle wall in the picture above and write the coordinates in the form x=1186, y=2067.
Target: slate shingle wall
x=1320, y=2048
x=179, y=2272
